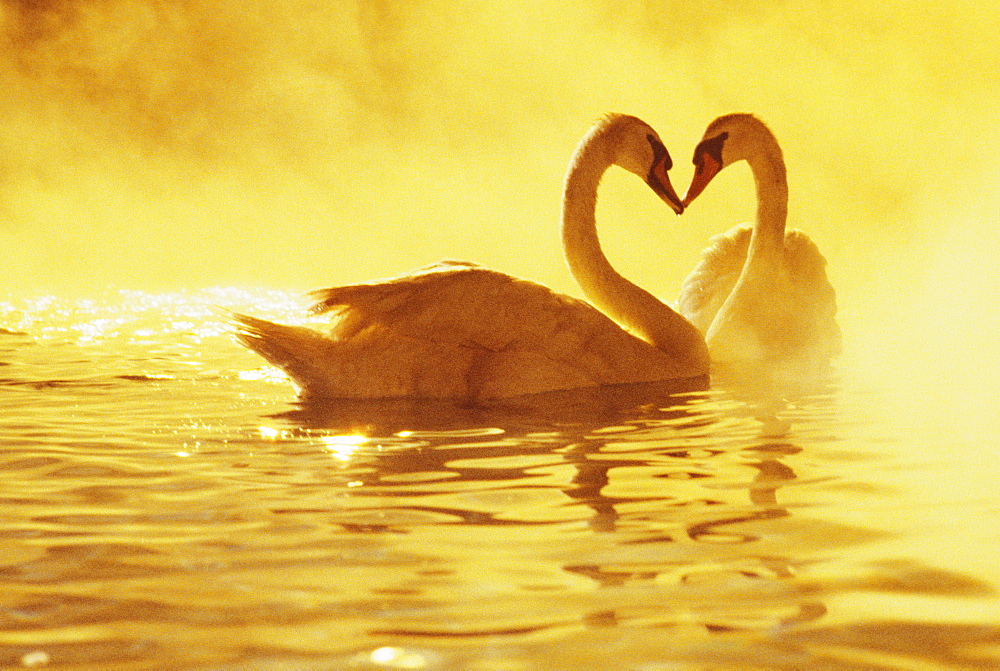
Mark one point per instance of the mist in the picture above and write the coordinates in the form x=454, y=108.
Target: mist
x=158, y=145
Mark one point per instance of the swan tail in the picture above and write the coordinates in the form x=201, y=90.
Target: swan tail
x=294, y=349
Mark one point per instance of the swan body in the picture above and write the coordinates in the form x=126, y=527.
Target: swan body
x=760, y=293
x=458, y=330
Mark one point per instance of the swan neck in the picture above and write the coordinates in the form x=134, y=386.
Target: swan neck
x=591, y=268
x=628, y=304
x=768, y=168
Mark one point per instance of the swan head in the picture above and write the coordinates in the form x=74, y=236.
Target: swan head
x=637, y=148
x=727, y=140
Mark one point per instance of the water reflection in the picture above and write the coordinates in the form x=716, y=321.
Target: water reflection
x=162, y=509
x=720, y=552
x=625, y=464
x=594, y=406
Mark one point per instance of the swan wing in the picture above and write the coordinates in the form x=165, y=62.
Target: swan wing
x=708, y=286
x=449, y=301
x=811, y=326
x=454, y=330
x=795, y=315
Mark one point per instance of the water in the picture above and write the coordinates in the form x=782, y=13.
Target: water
x=166, y=505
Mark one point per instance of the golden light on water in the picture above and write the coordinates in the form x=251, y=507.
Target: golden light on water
x=343, y=446
x=398, y=658
x=269, y=433
x=265, y=373
x=340, y=446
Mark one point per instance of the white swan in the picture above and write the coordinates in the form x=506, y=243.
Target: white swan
x=760, y=294
x=457, y=330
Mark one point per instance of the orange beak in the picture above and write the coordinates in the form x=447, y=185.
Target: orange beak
x=660, y=183
x=703, y=174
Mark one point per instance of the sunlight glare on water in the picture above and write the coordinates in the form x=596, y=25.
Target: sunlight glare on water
x=168, y=507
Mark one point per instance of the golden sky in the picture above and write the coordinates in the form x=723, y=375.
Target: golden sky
x=158, y=144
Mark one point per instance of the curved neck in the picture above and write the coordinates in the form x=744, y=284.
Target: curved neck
x=768, y=168
x=630, y=305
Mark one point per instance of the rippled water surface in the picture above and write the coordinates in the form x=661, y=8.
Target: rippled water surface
x=166, y=505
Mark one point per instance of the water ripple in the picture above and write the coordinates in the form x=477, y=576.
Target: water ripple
x=162, y=508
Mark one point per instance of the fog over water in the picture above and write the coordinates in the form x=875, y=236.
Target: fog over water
x=164, y=145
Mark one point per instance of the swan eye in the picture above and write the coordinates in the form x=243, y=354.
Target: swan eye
x=658, y=179
x=712, y=148
x=660, y=152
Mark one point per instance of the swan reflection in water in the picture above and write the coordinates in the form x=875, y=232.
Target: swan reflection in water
x=684, y=512
x=616, y=445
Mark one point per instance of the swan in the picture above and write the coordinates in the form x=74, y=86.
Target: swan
x=458, y=330
x=760, y=293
